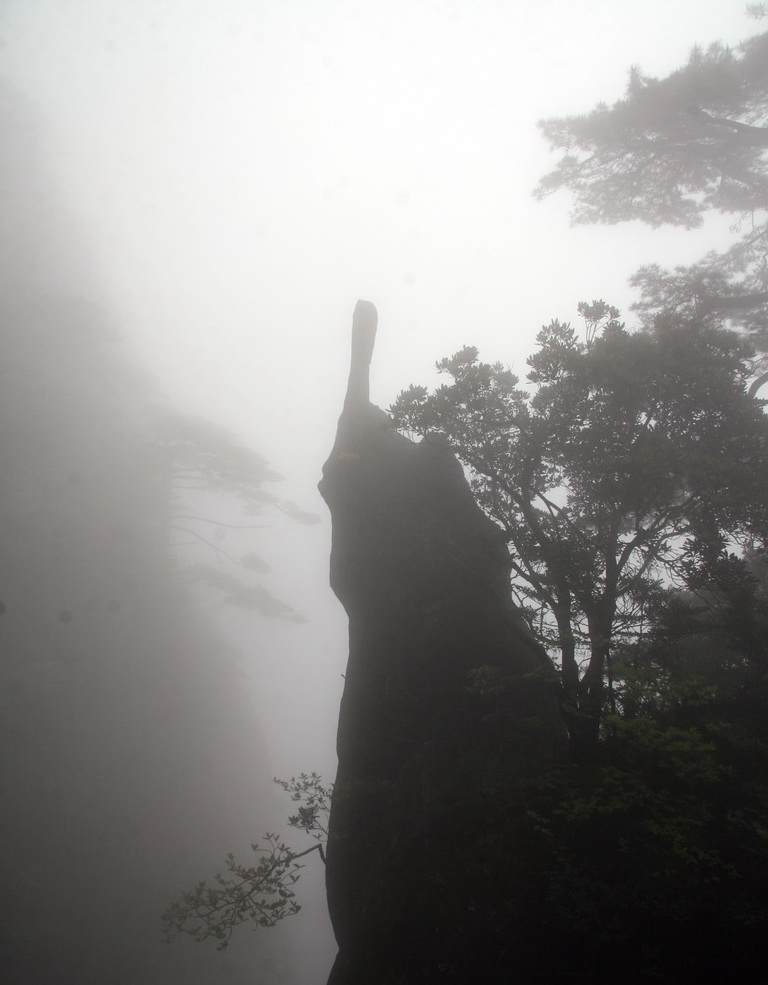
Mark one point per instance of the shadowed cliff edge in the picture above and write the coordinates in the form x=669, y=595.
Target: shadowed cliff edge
x=424, y=577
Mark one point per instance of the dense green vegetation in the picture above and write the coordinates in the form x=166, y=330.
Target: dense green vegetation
x=631, y=462
x=629, y=472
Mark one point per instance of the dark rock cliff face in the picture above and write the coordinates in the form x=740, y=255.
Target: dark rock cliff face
x=424, y=578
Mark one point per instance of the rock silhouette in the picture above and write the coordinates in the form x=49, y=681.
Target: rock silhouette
x=424, y=577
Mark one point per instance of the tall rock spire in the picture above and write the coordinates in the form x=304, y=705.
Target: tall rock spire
x=364, y=322
x=424, y=577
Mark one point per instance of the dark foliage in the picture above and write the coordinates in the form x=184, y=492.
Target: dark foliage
x=669, y=152
x=631, y=458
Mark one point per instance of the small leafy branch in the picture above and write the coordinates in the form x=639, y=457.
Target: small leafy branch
x=260, y=894
x=315, y=806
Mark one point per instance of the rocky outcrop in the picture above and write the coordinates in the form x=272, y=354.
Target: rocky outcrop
x=444, y=688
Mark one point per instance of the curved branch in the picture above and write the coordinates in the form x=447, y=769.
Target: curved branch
x=219, y=523
x=214, y=547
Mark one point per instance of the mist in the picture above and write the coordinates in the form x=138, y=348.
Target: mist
x=195, y=195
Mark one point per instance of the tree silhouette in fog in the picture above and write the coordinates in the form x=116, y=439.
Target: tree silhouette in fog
x=670, y=152
x=128, y=742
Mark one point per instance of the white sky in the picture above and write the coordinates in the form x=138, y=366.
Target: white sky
x=243, y=170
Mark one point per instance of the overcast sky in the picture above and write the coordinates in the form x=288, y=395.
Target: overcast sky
x=241, y=171
x=246, y=169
